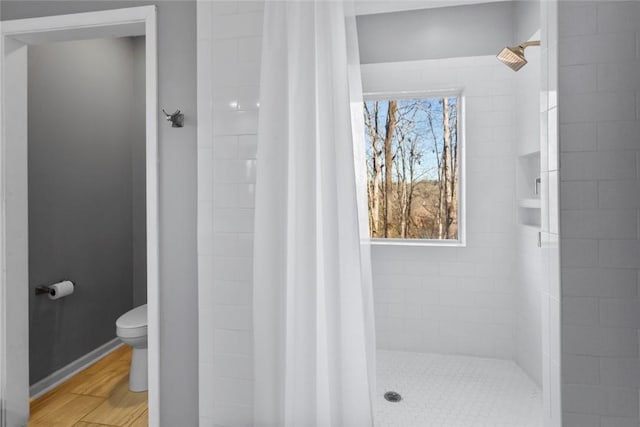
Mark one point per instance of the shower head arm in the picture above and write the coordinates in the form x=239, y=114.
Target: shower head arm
x=529, y=43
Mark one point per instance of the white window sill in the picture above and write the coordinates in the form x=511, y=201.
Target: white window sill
x=418, y=242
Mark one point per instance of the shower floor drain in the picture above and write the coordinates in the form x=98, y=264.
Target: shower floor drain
x=392, y=396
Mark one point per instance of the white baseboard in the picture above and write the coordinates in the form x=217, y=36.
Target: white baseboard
x=63, y=374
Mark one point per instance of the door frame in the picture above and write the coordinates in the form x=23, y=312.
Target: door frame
x=15, y=37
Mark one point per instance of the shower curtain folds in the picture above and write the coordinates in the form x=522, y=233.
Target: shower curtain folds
x=313, y=311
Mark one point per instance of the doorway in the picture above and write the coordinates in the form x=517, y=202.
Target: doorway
x=16, y=37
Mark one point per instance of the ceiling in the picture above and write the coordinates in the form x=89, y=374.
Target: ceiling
x=370, y=7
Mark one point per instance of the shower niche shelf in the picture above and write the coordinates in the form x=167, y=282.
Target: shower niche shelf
x=529, y=203
x=528, y=189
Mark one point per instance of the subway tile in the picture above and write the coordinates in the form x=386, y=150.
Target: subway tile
x=619, y=76
x=619, y=135
x=205, y=243
x=233, y=245
x=599, y=282
x=419, y=268
x=205, y=389
x=237, y=25
x=205, y=175
x=619, y=312
x=618, y=16
x=580, y=311
x=245, y=195
x=581, y=21
x=584, y=399
x=232, y=391
x=426, y=297
x=225, y=414
x=619, y=253
x=249, y=49
x=205, y=341
x=235, y=98
x=457, y=269
x=584, y=370
x=204, y=13
x=205, y=211
x=250, y=6
x=225, y=147
x=224, y=51
x=236, y=122
x=578, y=137
x=221, y=8
x=622, y=402
x=581, y=420
x=233, y=171
x=579, y=252
x=227, y=74
x=234, y=195
x=205, y=276
x=596, y=48
x=392, y=280
x=599, y=224
x=247, y=147
x=233, y=293
x=579, y=194
x=479, y=104
x=602, y=165
x=389, y=296
x=225, y=196
x=578, y=78
x=206, y=421
x=233, y=366
x=233, y=220
x=600, y=106
x=599, y=341
x=553, y=141
x=405, y=311
x=236, y=317
x=623, y=194
x=619, y=372
x=619, y=421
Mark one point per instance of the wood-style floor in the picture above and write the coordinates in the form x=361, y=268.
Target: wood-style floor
x=99, y=396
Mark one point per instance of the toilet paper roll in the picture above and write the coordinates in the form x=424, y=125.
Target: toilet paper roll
x=59, y=290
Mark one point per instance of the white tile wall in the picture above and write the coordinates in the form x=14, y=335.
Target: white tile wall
x=528, y=276
x=446, y=299
x=599, y=82
x=457, y=299
x=229, y=45
x=552, y=309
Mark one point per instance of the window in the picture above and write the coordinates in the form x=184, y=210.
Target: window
x=413, y=168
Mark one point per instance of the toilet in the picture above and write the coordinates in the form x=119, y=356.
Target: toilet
x=131, y=328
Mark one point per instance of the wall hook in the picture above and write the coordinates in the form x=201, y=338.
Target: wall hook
x=176, y=119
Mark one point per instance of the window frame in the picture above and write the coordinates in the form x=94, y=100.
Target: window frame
x=461, y=241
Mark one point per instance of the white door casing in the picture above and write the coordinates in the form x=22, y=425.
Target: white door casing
x=15, y=37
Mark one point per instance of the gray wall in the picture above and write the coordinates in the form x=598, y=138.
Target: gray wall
x=138, y=174
x=178, y=262
x=435, y=33
x=81, y=135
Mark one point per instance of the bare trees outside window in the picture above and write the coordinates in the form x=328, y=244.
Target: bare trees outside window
x=413, y=161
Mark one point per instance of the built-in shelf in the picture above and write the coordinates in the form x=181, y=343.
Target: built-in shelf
x=529, y=203
x=528, y=187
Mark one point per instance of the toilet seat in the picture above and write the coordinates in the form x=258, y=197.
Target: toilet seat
x=133, y=323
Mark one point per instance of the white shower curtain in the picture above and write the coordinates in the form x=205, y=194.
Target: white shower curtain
x=313, y=311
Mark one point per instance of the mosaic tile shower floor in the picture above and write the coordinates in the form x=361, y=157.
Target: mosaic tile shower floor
x=455, y=391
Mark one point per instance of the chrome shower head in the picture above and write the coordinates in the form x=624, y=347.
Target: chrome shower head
x=513, y=57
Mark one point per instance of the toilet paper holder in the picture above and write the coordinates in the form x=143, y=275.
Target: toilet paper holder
x=40, y=290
